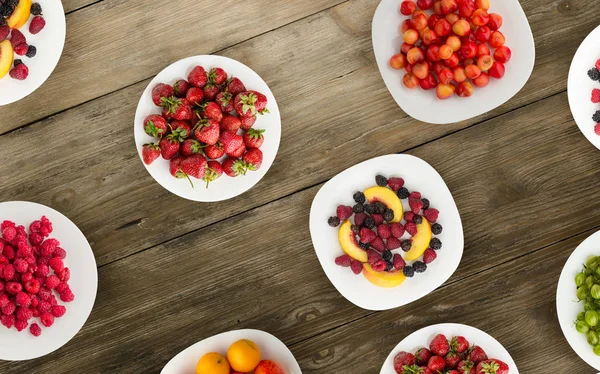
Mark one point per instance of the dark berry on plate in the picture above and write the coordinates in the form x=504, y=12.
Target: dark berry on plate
x=358, y=208
x=5, y=11
x=419, y=266
x=36, y=9
x=388, y=215
x=369, y=222
x=409, y=272
x=387, y=255
x=364, y=246
x=370, y=208
x=359, y=197
x=405, y=245
x=436, y=229
x=2, y=21
x=380, y=207
x=596, y=117
x=425, y=203
x=594, y=74
x=435, y=243
x=403, y=193
x=18, y=62
x=417, y=219
x=31, y=52
x=355, y=229
x=333, y=221
x=381, y=181
x=389, y=266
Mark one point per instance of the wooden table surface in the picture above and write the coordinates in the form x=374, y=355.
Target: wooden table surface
x=172, y=272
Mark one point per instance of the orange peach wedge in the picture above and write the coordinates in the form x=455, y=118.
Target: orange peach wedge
x=386, y=279
x=349, y=244
x=6, y=57
x=388, y=197
x=20, y=15
x=420, y=242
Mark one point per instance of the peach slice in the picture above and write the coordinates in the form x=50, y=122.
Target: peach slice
x=6, y=57
x=388, y=197
x=384, y=279
x=20, y=15
x=349, y=243
x=420, y=242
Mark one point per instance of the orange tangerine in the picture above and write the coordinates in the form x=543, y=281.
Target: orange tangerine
x=243, y=355
x=212, y=363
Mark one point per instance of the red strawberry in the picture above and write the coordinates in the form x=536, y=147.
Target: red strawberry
x=233, y=167
x=411, y=228
x=197, y=77
x=415, y=205
x=431, y=214
x=211, y=91
x=175, y=167
x=155, y=125
x=595, y=94
x=423, y=354
x=230, y=123
x=378, y=218
x=19, y=72
x=403, y=359
x=225, y=101
x=366, y=235
x=213, y=171
x=493, y=366
x=21, y=49
x=181, y=88
x=356, y=267
x=169, y=147
x=181, y=129
x=217, y=76
x=399, y=264
x=195, y=96
x=396, y=183
x=254, y=138
x=194, y=166
x=37, y=24
x=344, y=212
x=378, y=244
x=373, y=256
x=415, y=195
x=384, y=231
x=465, y=367
x=436, y=364
x=452, y=360
x=212, y=110
x=16, y=38
x=231, y=142
x=207, y=131
x=477, y=354
x=458, y=343
x=4, y=32
x=247, y=122
x=150, y=152
x=234, y=86
x=239, y=152
x=343, y=261
x=359, y=218
x=176, y=108
x=250, y=103
x=439, y=345
x=214, y=151
x=428, y=257
x=191, y=147
x=392, y=243
x=159, y=92
x=397, y=230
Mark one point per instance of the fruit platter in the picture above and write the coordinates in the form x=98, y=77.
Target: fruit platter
x=386, y=231
x=235, y=352
x=32, y=36
x=449, y=348
x=577, y=300
x=48, y=280
x=463, y=57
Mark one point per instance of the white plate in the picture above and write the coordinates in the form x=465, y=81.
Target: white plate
x=270, y=347
x=49, y=43
x=225, y=187
x=419, y=176
x=424, y=105
x=580, y=86
x=84, y=283
x=423, y=337
x=567, y=306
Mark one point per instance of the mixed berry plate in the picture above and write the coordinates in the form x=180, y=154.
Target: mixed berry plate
x=225, y=187
x=567, y=305
x=84, y=284
x=49, y=43
x=422, y=337
x=271, y=349
x=580, y=86
x=424, y=105
x=419, y=176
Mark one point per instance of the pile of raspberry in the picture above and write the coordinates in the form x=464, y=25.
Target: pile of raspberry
x=379, y=236
x=20, y=71
x=32, y=276
x=594, y=75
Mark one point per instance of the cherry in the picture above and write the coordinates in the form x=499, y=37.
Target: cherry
x=408, y=7
x=497, y=70
x=502, y=54
x=410, y=81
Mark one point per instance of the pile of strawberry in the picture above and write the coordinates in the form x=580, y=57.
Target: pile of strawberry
x=32, y=273
x=594, y=74
x=450, y=357
x=203, y=119
x=20, y=71
x=379, y=237
x=449, y=50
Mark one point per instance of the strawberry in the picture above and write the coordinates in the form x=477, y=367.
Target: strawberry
x=465, y=367
x=253, y=159
x=378, y=244
x=356, y=266
x=37, y=24
x=230, y=123
x=392, y=243
x=403, y=359
x=212, y=110
x=431, y=214
x=452, y=360
x=178, y=109
x=21, y=49
x=214, y=151
x=225, y=101
x=175, y=167
x=155, y=125
x=254, y=138
x=384, y=231
x=439, y=345
x=239, y=152
x=181, y=129
x=411, y=228
x=197, y=77
x=159, y=92
x=191, y=147
x=343, y=212
x=247, y=122
x=211, y=91
x=595, y=92
x=250, y=103
x=150, y=152
x=207, y=131
x=169, y=146
x=458, y=343
x=16, y=38
x=366, y=235
x=231, y=142
x=213, y=171
x=415, y=205
x=19, y=72
x=477, y=354
x=194, y=166
x=4, y=32
x=261, y=102
x=233, y=167
x=399, y=264
x=493, y=366
x=343, y=261
x=217, y=76
x=396, y=183
x=397, y=230
x=181, y=88
x=195, y=96
x=235, y=86
x=423, y=354
x=428, y=257
x=373, y=256
x=436, y=364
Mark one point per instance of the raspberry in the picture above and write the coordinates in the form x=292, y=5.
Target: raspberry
x=3, y=300
x=62, y=286
x=367, y=235
x=44, y=293
x=35, y=329
x=379, y=265
x=429, y=256
x=47, y=319
x=21, y=325
x=34, y=301
x=597, y=129
x=9, y=233
x=64, y=275
x=392, y=243
x=67, y=295
x=16, y=38
x=44, y=306
x=377, y=218
x=42, y=270
x=396, y=183
x=431, y=214
x=4, y=32
x=381, y=180
x=9, y=272
x=49, y=246
x=56, y=263
x=397, y=230
x=598, y=64
x=384, y=231
x=8, y=320
x=373, y=257
x=52, y=300
x=398, y=262
x=415, y=205
x=23, y=299
x=411, y=228
x=343, y=261
x=378, y=244
x=359, y=219
x=59, y=252
x=356, y=267
x=35, y=226
x=8, y=252
x=43, y=260
x=344, y=212
x=21, y=49
x=19, y=72
x=415, y=195
x=409, y=216
x=52, y=281
x=37, y=24
x=9, y=308
x=595, y=96
x=24, y=314
x=13, y=288
x=58, y=311
x=21, y=265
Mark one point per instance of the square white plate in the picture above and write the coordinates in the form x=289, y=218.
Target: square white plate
x=419, y=176
x=424, y=105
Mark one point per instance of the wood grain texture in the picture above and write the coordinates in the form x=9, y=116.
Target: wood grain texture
x=74, y=5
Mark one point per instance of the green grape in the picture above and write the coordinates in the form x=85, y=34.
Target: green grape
x=582, y=293
x=592, y=338
x=580, y=316
x=582, y=327
x=597, y=350
x=579, y=279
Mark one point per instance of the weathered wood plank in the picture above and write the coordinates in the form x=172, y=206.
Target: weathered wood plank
x=74, y=5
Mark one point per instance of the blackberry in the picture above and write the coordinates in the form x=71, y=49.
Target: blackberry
x=31, y=52
x=358, y=208
x=380, y=207
x=596, y=117
x=17, y=62
x=387, y=255
x=2, y=21
x=370, y=208
x=5, y=11
x=405, y=245
x=419, y=266
x=355, y=229
x=389, y=266
x=435, y=243
x=12, y=3
x=359, y=197
x=594, y=74
x=409, y=272
x=36, y=9
x=369, y=222
x=436, y=229
x=381, y=181
x=417, y=219
x=403, y=193
x=364, y=246
x=388, y=215
x=425, y=203
x=332, y=221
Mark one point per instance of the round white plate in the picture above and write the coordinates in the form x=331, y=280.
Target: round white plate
x=270, y=347
x=49, y=43
x=419, y=176
x=579, y=87
x=424, y=105
x=225, y=187
x=423, y=337
x=84, y=283
x=567, y=306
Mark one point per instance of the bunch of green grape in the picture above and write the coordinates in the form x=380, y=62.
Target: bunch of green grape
x=588, y=291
